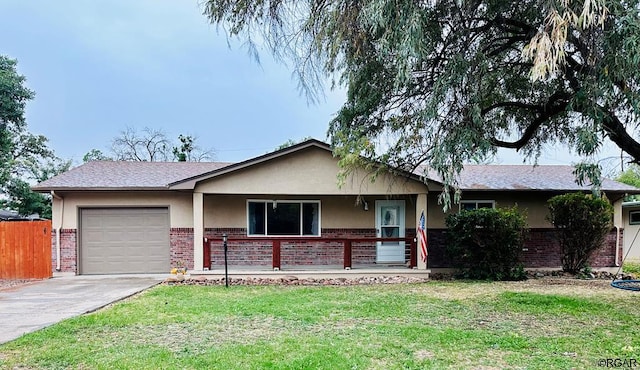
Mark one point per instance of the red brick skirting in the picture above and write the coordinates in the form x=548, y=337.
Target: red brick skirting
x=541, y=250
x=68, y=250
x=243, y=250
x=181, y=247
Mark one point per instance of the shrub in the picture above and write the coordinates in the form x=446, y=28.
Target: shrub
x=486, y=243
x=582, y=222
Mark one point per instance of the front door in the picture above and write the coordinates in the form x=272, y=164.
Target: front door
x=390, y=224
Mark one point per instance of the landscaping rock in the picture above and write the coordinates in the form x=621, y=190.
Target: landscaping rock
x=369, y=280
x=295, y=281
x=14, y=283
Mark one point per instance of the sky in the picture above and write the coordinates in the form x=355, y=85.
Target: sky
x=100, y=66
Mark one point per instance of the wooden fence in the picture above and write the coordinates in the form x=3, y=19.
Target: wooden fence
x=25, y=250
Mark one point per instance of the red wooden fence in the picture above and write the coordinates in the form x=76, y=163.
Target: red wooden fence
x=25, y=249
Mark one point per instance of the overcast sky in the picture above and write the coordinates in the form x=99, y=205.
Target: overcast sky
x=99, y=66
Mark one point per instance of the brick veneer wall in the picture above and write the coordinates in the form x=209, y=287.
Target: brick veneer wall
x=248, y=251
x=606, y=256
x=68, y=250
x=181, y=246
x=541, y=250
x=239, y=252
x=362, y=253
x=312, y=253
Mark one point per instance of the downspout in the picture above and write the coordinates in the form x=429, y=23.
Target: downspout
x=59, y=226
x=617, y=245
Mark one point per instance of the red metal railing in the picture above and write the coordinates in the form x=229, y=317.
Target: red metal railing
x=276, y=247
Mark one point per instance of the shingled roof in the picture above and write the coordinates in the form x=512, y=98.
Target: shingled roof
x=114, y=175
x=528, y=177
x=111, y=175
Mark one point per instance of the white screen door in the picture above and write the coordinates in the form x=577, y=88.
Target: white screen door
x=390, y=216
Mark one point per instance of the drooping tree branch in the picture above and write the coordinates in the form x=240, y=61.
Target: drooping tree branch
x=556, y=105
x=618, y=134
x=432, y=82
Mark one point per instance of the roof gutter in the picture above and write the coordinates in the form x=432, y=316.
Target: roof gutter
x=59, y=226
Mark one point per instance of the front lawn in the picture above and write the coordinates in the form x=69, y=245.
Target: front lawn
x=539, y=324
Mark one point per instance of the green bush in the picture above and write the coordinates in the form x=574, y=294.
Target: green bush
x=486, y=243
x=583, y=222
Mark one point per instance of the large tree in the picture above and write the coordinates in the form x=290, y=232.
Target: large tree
x=441, y=83
x=19, y=149
x=151, y=145
x=188, y=150
x=17, y=191
x=24, y=156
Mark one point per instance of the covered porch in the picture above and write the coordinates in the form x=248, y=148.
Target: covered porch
x=287, y=209
x=346, y=238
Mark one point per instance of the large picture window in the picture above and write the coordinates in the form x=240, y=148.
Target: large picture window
x=283, y=218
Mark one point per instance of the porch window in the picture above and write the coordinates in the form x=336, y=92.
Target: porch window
x=634, y=218
x=283, y=218
x=468, y=205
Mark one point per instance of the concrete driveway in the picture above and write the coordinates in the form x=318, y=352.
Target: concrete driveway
x=37, y=305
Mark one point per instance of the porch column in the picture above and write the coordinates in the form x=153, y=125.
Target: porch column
x=421, y=205
x=198, y=230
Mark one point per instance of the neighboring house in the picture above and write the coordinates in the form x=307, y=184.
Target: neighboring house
x=285, y=209
x=631, y=217
x=6, y=214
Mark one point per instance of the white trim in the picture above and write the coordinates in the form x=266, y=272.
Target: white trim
x=383, y=251
x=294, y=201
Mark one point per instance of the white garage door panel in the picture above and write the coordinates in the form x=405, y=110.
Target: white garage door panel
x=124, y=240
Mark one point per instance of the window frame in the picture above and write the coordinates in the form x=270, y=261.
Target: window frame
x=631, y=222
x=476, y=202
x=301, y=202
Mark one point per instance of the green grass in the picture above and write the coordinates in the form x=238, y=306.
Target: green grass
x=631, y=268
x=436, y=325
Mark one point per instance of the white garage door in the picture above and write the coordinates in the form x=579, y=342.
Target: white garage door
x=124, y=240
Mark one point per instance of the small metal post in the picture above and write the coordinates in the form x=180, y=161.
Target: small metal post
x=226, y=271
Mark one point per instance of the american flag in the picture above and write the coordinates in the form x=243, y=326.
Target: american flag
x=422, y=236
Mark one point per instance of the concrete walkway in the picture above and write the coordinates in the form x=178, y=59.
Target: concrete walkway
x=37, y=305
